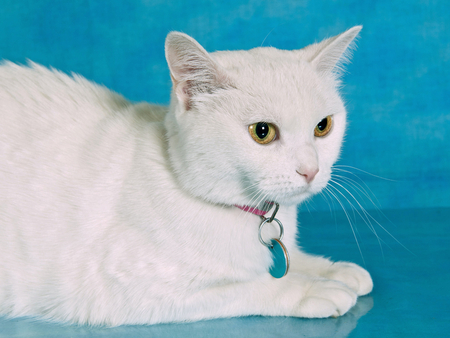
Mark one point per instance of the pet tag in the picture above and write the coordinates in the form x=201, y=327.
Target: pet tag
x=280, y=255
x=280, y=265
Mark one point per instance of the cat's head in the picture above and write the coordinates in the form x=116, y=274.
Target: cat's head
x=260, y=125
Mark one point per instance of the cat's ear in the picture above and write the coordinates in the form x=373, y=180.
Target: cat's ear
x=330, y=54
x=192, y=69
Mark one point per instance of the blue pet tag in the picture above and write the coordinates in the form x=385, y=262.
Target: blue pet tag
x=280, y=255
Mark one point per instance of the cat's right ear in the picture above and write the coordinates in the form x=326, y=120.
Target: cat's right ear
x=192, y=69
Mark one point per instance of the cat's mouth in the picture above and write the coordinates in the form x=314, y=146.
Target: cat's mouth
x=284, y=189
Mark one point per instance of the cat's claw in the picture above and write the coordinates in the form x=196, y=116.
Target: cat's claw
x=352, y=275
x=327, y=298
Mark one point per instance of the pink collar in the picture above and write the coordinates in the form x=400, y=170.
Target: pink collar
x=255, y=210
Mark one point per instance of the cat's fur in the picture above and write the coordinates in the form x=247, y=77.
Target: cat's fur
x=114, y=213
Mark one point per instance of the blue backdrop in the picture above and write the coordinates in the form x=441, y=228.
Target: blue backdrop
x=397, y=88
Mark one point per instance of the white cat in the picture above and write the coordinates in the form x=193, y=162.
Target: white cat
x=113, y=213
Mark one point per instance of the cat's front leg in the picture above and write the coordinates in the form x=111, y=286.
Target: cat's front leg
x=293, y=295
x=352, y=275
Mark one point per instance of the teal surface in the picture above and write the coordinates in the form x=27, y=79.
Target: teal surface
x=397, y=90
x=409, y=299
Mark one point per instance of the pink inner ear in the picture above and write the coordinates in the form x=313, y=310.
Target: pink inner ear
x=182, y=92
x=193, y=71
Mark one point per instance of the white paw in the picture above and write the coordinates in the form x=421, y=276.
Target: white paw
x=352, y=275
x=327, y=298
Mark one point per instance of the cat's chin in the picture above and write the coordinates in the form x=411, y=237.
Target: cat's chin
x=294, y=200
x=282, y=199
x=298, y=197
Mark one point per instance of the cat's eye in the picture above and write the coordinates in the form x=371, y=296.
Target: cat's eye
x=262, y=132
x=323, y=127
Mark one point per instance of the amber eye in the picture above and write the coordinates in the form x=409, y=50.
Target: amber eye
x=262, y=132
x=323, y=127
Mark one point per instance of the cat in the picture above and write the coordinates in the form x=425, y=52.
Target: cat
x=116, y=213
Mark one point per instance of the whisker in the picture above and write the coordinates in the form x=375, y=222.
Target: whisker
x=258, y=197
x=375, y=203
x=358, y=189
x=330, y=205
x=378, y=206
x=357, y=186
x=337, y=166
x=368, y=218
x=348, y=218
x=262, y=43
x=250, y=187
x=365, y=216
x=328, y=202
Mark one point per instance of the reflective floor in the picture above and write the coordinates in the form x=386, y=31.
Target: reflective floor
x=410, y=298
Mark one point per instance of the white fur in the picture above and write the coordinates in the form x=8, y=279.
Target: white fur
x=113, y=213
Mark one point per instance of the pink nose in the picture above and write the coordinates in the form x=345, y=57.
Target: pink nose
x=309, y=174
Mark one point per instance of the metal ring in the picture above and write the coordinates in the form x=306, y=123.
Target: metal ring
x=268, y=220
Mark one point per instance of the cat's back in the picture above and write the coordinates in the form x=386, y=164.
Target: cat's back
x=37, y=97
x=46, y=108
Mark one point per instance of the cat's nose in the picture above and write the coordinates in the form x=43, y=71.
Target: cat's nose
x=309, y=174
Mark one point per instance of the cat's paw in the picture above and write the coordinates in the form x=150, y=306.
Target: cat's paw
x=352, y=275
x=327, y=298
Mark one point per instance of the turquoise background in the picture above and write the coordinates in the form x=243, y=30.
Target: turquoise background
x=397, y=91
x=396, y=88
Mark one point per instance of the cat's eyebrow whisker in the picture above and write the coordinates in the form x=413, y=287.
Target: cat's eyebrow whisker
x=262, y=43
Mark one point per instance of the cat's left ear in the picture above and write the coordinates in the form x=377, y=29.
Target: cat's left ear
x=331, y=53
x=192, y=69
